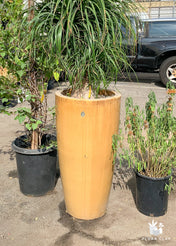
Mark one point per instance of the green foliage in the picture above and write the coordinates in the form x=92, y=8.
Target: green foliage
x=24, y=115
x=149, y=144
x=85, y=38
x=51, y=145
x=115, y=139
x=24, y=67
x=10, y=19
x=81, y=38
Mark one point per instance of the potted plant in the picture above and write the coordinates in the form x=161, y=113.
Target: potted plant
x=86, y=38
x=24, y=75
x=149, y=146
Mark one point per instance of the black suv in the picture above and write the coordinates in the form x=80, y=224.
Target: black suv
x=156, y=48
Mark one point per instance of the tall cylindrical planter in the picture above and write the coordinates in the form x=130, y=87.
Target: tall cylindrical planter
x=84, y=135
x=151, y=195
x=36, y=169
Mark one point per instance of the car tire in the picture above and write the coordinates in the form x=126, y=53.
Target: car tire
x=167, y=71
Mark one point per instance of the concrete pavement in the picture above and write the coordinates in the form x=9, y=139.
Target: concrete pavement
x=42, y=221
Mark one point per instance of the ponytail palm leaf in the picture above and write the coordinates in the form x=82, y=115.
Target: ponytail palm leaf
x=84, y=38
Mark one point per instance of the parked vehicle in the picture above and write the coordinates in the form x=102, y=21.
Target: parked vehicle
x=156, y=48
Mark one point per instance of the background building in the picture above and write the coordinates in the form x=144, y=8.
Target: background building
x=159, y=9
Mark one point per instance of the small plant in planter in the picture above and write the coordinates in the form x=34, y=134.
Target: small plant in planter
x=24, y=75
x=150, y=149
x=86, y=38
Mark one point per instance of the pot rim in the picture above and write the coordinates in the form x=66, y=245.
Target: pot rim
x=26, y=151
x=152, y=178
x=116, y=95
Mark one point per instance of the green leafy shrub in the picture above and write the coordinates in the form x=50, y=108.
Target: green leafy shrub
x=149, y=145
x=25, y=68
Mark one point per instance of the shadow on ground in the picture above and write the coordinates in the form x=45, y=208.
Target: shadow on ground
x=142, y=77
x=85, y=229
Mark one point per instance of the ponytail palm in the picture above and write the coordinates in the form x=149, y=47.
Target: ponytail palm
x=84, y=38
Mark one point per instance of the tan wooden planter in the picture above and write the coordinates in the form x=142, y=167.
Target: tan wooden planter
x=84, y=134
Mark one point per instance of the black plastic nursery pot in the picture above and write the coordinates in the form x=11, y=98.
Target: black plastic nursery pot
x=36, y=168
x=151, y=195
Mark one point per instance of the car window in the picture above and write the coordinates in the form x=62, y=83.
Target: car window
x=162, y=28
x=126, y=33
